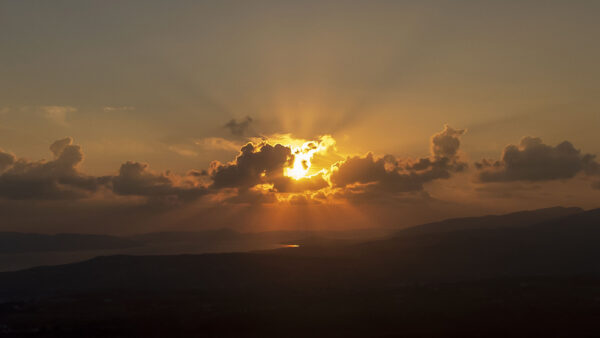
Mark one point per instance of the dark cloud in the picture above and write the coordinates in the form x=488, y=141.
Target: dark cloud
x=62, y=179
x=286, y=184
x=389, y=174
x=256, y=164
x=373, y=170
x=591, y=166
x=262, y=164
x=56, y=179
x=60, y=145
x=535, y=161
x=6, y=160
x=445, y=144
x=197, y=173
x=239, y=128
x=137, y=179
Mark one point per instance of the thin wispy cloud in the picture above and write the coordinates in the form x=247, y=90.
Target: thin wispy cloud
x=58, y=114
x=109, y=109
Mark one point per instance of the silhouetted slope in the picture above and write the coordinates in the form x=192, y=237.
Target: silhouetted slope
x=515, y=219
x=565, y=246
x=531, y=280
x=175, y=272
x=15, y=242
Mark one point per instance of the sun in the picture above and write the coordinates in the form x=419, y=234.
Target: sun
x=303, y=155
x=301, y=165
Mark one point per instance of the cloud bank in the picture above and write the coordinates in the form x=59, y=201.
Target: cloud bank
x=262, y=169
x=391, y=174
x=534, y=161
x=136, y=179
x=59, y=178
x=278, y=180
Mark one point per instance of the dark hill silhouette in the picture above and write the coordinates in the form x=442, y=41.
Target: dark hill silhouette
x=540, y=279
x=567, y=245
x=515, y=219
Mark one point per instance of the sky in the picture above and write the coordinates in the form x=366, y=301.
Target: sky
x=140, y=116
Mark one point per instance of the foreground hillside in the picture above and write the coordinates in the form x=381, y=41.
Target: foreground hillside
x=536, y=279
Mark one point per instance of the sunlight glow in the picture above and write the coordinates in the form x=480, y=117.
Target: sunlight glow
x=303, y=155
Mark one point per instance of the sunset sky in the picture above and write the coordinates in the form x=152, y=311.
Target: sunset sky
x=265, y=115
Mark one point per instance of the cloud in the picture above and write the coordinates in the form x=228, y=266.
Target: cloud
x=267, y=162
x=109, y=109
x=255, y=164
x=60, y=145
x=260, y=173
x=239, y=128
x=56, y=179
x=61, y=178
x=138, y=179
x=445, y=144
x=6, y=160
x=299, y=199
x=257, y=178
x=390, y=174
x=58, y=114
x=533, y=161
x=252, y=197
x=286, y=184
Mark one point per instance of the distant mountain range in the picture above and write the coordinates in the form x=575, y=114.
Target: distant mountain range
x=15, y=242
x=24, y=250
